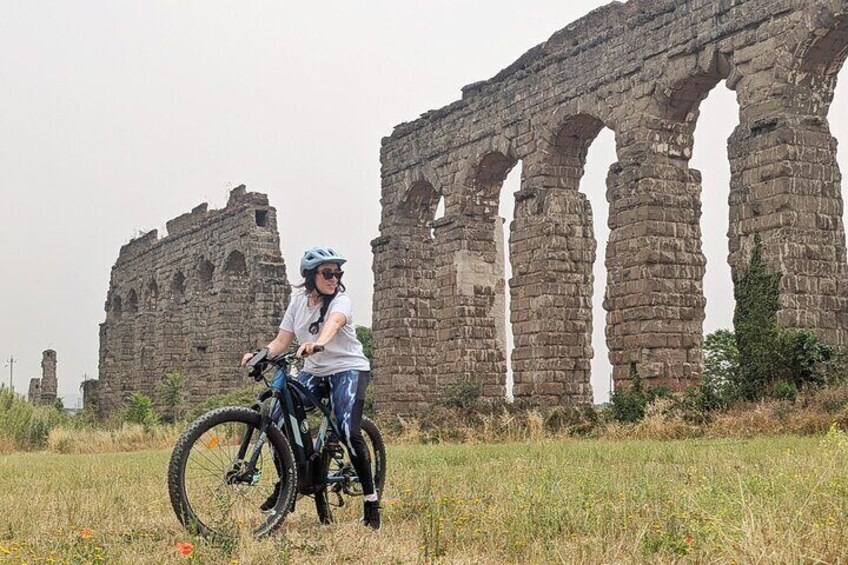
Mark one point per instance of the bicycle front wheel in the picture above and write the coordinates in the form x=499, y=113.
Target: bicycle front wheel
x=214, y=491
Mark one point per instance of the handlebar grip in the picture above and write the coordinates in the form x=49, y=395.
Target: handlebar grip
x=315, y=349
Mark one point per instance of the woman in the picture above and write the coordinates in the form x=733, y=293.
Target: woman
x=322, y=315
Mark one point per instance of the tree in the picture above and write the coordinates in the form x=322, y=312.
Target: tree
x=365, y=337
x=772, y=360
x=756, y=292
x=721, y=356
x=721, y=368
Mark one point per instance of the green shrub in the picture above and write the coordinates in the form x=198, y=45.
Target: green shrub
x=802, y=356
x=172, y=391
x=576, y=421
x=771, y=358
x=784, y=390
x=835, y=370
x=463, y=394
x=139, y=410
x=23, y=425
x=716, y=390
x=628, y=405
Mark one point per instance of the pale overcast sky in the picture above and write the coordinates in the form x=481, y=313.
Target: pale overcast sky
x=117, y=116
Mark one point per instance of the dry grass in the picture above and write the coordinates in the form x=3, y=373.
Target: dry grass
x=494, y=486
x=812, y=413
x=127, y=437
x=6, y=446
x=767, y=500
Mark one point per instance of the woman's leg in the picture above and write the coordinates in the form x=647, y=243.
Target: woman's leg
x=315, y=385
x=347, y=395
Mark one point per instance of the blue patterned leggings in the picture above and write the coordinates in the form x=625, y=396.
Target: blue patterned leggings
x=347, y=399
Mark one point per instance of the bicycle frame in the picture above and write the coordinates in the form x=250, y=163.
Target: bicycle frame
x=283, y=394
x=281, y=390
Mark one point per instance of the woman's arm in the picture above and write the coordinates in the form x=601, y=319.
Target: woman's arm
x=332, y=324
x=279, y=344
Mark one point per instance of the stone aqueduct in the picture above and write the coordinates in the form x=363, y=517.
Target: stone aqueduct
x=641, y=69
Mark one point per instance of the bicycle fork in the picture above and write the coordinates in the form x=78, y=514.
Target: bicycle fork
x=246, y=471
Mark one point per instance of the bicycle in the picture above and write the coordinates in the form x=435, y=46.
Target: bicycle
x=230, y=463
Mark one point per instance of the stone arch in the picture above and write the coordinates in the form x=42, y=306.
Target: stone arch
x=691, y=84
x=235, y=264
x=490, y=171
x=574, y=136
x=567, y=147
x=483, y=182
x=205, y=272
x=419, y=203
x=823, y=55
x=132, y=302
x=178, y=284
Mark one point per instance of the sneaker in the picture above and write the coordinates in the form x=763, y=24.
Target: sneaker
x=371, y=514
x=271, y=501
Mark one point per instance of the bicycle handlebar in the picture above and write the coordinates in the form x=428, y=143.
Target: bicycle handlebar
x=258, y=362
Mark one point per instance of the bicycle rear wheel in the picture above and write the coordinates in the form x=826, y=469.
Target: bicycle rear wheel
x=212, y=493
x=338, y=465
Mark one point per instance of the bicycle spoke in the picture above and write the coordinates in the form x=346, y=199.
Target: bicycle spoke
x=220, y=498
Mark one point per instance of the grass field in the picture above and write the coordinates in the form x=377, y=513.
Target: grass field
x=765, y=500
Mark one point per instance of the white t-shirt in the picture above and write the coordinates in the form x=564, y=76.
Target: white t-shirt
x=343, y=352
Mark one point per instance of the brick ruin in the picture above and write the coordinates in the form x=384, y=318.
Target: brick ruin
x=641, y=69
x=191, y=302
x=43, y=390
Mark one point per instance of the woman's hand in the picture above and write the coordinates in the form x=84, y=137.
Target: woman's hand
x=306, y=349
x=245, y=358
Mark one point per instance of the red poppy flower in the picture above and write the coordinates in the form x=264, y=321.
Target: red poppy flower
x=185, y=548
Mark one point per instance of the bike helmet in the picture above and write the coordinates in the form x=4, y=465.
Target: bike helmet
x=317, y=255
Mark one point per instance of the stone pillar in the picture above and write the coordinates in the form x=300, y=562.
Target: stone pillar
x=470, y=301
x=654, y=300
x=34, y=392
x=403, y=319
x=552, y=248
x=785, y=185
x=48, y=377
x=404, y=330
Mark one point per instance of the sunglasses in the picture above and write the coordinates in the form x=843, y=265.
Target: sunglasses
x=330, y=275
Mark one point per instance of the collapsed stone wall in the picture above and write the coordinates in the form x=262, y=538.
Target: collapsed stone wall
x=641, y=69
x=43, y=390
x=192, y=302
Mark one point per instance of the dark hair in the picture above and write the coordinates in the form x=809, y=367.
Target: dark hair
x=309, y=284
